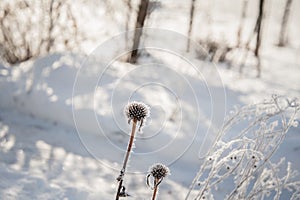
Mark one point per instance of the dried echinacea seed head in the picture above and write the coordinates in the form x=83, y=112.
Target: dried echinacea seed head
x=137, y=111
x=159, y=171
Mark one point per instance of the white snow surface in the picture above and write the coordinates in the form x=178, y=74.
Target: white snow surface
x=63, y=133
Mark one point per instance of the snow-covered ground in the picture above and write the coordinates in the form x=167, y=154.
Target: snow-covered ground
x=63, y=132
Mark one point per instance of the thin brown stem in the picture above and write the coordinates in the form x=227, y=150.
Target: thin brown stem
x=119, y=189
x=155, y=189
x=129, y=147
x=130, y=144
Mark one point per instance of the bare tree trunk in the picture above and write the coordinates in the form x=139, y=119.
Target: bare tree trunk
x=142, y=13
x=258, y=33
x=258, y=36
x=190, y=25
x=243, y=16
x=128, y=4
x=285, y=18
x=50, y=29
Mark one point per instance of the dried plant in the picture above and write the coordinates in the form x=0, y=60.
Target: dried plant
x=244, y=161
x=135, y=112
x=30, y=29
x=158, y=172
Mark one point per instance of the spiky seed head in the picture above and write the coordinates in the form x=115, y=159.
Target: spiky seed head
x=137, y=111
x=159, y=171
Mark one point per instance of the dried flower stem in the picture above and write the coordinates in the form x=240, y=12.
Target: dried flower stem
x=158, y=171
x=119, y=189
x=130, y=143
x=129, y=147
x=155, y=189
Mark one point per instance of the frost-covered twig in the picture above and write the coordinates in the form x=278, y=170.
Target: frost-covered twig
x=244, y=161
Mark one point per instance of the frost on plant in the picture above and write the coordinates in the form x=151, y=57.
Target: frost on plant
x=244, y=161
x=158, y=172
x=137, y=111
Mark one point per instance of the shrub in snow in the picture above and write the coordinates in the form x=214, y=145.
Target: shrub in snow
x=158, y=172
x=136, y=112
x=244, y=161
x=33, y=28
